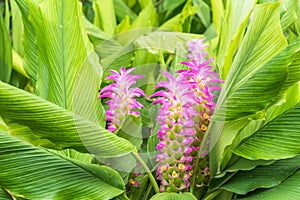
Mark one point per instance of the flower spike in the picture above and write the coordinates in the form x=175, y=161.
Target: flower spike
x=122, y=96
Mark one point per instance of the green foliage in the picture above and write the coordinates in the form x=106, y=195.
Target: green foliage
x=54, y=58
x=62, y=178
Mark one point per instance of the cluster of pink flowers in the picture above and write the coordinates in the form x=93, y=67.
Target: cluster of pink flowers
x=187, y=106
x=122, y=97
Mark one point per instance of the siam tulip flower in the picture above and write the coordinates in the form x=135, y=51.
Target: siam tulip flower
x=205, y=84
x=122, y=97
x=187, y=105
x=176, y=133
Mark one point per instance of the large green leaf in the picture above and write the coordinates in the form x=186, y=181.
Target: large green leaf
x=203, y=12
x=5, y=53
x=174, y=196
x=69, y=73
x=160, y=41
x=147, y=17
x=177, y=23
x=291, y=58
x=4, y=195
x=232, y=136
x=56, y=127
x=233, y=27
x=121, y=10
x=217, y=8
x=30, y=61
x=262, y=176
x=288, y=13
x=17, y=28
x=255, y=71
x=105, y=16
x=221, y=137
x=292, y=98
x=96, y=35
x=289, y=189
x=34, y=173
x=248, y=78
x=276, y=140
x=288, y=58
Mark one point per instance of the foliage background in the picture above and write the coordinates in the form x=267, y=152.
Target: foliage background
x=55, y=54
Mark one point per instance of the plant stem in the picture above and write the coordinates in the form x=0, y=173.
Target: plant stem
x=147, y=193
x=151, y=177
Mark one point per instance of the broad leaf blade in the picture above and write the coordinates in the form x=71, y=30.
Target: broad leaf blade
x=30, y=61
x=64, y=129
x=4, y=195
x=105, y=16
x=289, y=189
x=69, y=73
x=233, y=27
x=276, y=140
x=263, y=176
x=264, y=39
x=26, y=169
x=173, y=196
x=288, y=96
x=5, y=53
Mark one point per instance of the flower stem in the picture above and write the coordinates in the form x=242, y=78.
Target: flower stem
x=151, y=177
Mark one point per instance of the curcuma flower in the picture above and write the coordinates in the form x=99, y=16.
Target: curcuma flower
x=204, y=82
x=122, y=97
x=205, y=85
x=176, y=133
x=187, y=105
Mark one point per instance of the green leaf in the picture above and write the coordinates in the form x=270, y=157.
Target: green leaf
x=276, y=140
x=174, y=196
x=147, y=17
x=17, y=28
x=105, y=16
x=159, y=41
x=131, y=130
x=96, y=35
x=177, y=23
x=221, y=135
x=288, y=13
x=4, y=195
x=151, y=149
x=5, y=53
x=245, y=164
x=203, y=12
x=217, y=8
x=105, y=173
x=54, y=125
x=169, y=5
x=249, y=76
x=26, y=169
x=124, y=25
x=17, y=64
x=123, y=164
x=219, y=195
x=289, y=189
x=121, y=10
x=30, y=59
x=233, y=28
x=262, y=176
x=69, y=73
x=290, y=59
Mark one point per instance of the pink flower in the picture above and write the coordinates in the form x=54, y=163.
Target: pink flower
x=187, y=105
x=176, y=132
x=122, y=97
